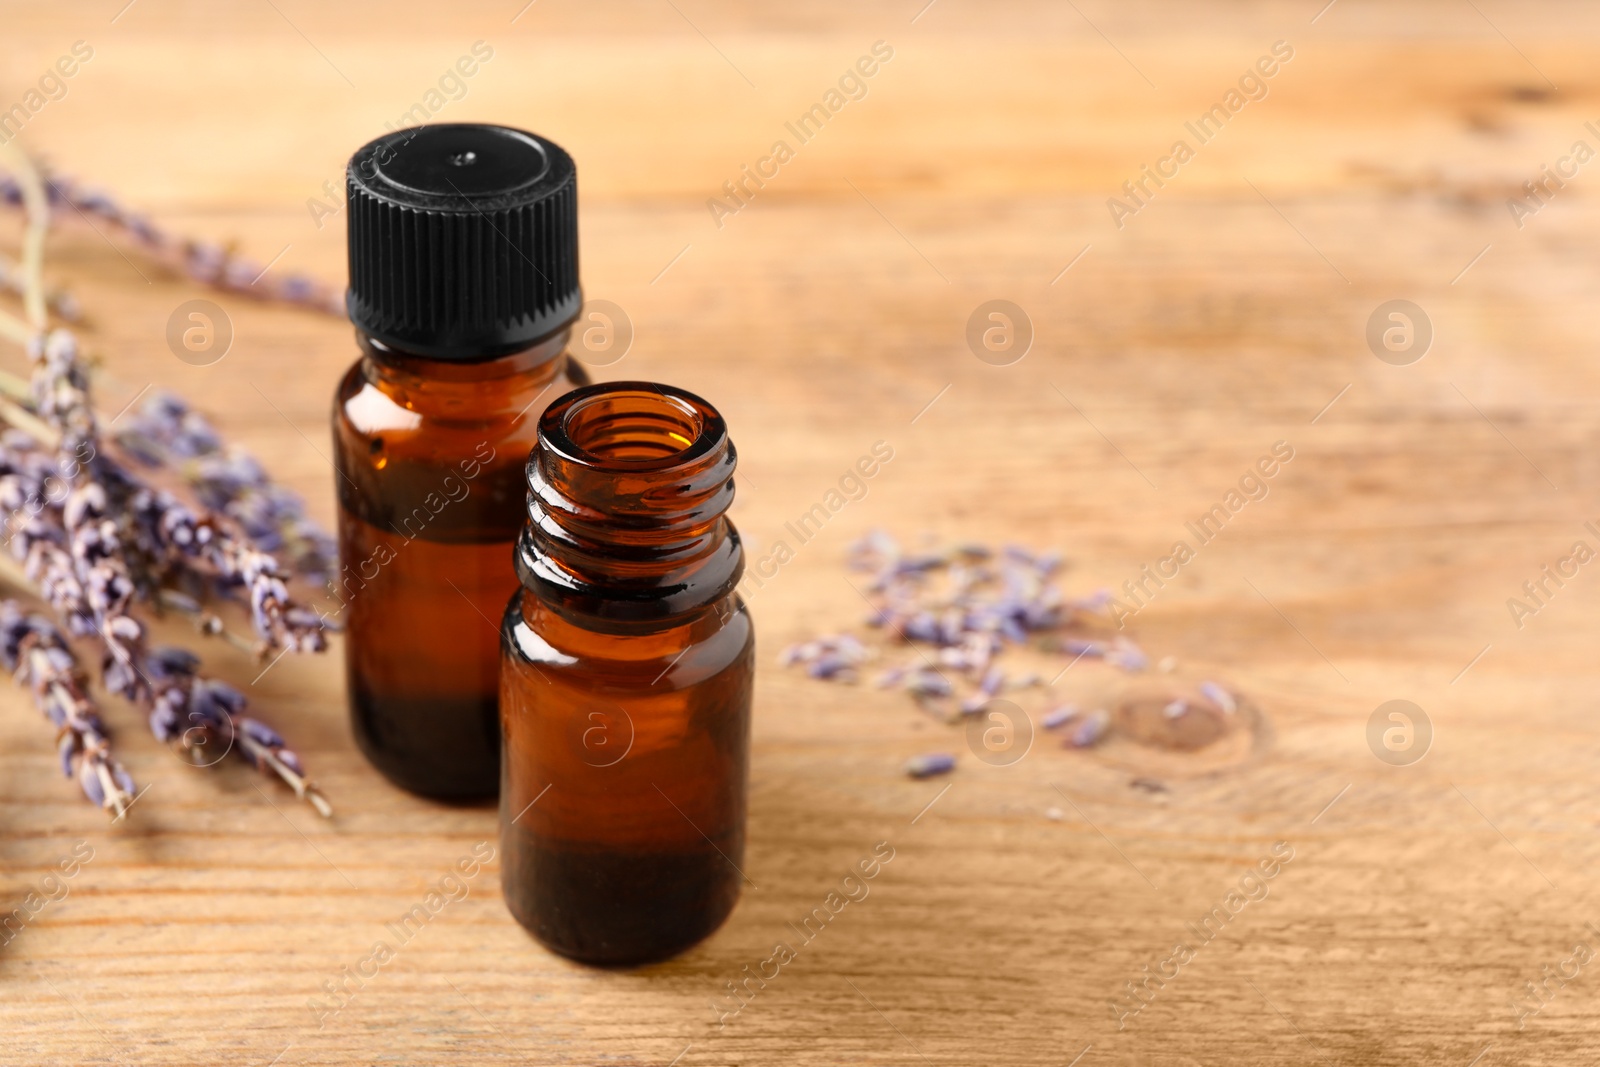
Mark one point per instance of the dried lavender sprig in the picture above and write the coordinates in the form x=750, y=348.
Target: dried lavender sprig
x=165, y=682
x=31, y=493
x=165, y=432
x=60, y=302
x=205, y=622
x=60, y=393
x=31, y=195
x=270, y=515
x=39, y=656
x=90, y=585
x=215, y=715
x=61, y=397
x=204, y=261
x=176, y=531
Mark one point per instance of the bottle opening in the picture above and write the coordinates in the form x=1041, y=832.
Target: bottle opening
x=628, y=492
x=633, y=427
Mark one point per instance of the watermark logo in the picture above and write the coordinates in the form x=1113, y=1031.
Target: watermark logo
x=1001, y=734
x=199, y=332
x=999, y=332
x=602, y=335
x=1399, y=733
x=195, y=747
x=604, y=735
x=1399, y=332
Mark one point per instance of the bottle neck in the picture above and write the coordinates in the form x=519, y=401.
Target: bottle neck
x=628, y=491
x=473, y=388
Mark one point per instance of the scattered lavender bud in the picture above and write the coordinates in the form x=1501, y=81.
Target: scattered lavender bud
x=930, y=764
x=830, y=665
x=1090, y=730
x=890, y=678
x=1175, y=710
x=927, y=682
x=1168, y=664
x=1219, y=696
x=1127, y=655
x=1094, y=603
x=1054, y=814
x=1059, y=717
x=920, y=627
x=969, y=604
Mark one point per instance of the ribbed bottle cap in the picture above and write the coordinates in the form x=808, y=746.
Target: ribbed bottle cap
x=463, y=239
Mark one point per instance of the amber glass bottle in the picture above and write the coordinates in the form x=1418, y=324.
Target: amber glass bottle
x=463, y=289
x=626, y=682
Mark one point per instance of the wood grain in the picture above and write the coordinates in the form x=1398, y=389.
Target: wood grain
x=826, y=315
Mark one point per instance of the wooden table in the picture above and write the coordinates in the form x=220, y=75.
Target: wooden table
x=1228, y=313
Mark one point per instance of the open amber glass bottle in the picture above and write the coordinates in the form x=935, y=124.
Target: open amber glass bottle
x=463, y=290
x=626, y=680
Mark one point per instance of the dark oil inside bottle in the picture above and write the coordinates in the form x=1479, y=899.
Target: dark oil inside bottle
x=635, y=850
x=614, y=907
x=429, y=511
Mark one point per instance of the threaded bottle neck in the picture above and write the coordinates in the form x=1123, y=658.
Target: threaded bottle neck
x=628, y=491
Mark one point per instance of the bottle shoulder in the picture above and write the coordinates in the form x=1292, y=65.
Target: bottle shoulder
x=369, y=401
x=716, y=639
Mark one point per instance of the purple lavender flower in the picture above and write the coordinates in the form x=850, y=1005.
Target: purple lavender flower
x=1091, y=730
x=1059, y=717
x=971, y=604
x=1219, y=696
x=203, y=261
x=76, y=553
x=164, y=432
x=927, y=682
x=36, y=652
x=1127, y=655
x=930, y=764
x=831, y=665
